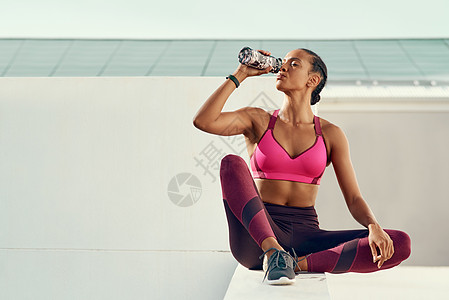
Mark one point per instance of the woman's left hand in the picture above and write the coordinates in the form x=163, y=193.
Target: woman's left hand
x=379, y=238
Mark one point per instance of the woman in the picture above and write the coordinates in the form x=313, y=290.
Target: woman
x=290, y=149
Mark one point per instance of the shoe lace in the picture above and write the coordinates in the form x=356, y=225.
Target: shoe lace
x=278, y=260
x=296, y=260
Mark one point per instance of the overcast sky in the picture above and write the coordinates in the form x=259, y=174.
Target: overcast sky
x=227, y=19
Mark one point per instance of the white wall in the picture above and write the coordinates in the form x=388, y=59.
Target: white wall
x=88, y=170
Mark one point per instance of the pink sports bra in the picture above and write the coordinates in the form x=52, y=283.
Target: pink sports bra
x=271, y=161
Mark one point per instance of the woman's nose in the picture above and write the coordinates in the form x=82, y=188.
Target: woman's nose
x=284, y=67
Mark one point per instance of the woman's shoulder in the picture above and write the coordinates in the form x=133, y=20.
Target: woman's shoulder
x=331, y=130
x=259, y=117
x=261, y=111
x=327, y=125
x=260, y=114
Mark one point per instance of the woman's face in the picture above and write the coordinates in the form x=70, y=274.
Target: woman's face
x=294, y=73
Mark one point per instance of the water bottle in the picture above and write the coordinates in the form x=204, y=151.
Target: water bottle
x=255, y=59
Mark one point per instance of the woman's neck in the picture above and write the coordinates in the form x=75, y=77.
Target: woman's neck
x=296, y=110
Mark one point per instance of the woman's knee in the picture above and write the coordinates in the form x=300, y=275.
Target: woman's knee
x=231, y=162
x=232, y=159
x=401, y=243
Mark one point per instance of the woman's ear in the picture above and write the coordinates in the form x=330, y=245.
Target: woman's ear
x=314, y=80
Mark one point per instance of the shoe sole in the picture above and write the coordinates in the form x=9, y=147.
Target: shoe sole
x=281, y=281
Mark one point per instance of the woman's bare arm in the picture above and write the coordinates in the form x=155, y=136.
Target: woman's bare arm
x=346, y=177
x=358, y=207
x=210, y=117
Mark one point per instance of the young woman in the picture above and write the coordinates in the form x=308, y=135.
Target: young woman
x=290, y=148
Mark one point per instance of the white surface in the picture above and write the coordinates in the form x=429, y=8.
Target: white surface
x=403, y=282
x=86, y=163
x=111, y=275
x=247, y=284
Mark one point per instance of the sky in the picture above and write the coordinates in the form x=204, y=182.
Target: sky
x=227, y=19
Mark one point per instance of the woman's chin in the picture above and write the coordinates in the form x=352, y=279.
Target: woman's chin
x=279, y=86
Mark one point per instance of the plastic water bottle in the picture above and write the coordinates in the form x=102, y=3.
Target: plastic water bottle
x=255, y=59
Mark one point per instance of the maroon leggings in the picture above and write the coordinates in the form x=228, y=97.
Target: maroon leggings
x=251, y=221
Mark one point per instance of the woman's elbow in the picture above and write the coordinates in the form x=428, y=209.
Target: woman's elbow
x=204, y=126
x=199, y=125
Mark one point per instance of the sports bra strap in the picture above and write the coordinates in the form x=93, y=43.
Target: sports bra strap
x=317, y=126
x=273, y=119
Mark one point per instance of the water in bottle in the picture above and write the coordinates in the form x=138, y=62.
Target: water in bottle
x=255, y=59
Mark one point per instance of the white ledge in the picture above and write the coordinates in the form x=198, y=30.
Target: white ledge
x=247, y=284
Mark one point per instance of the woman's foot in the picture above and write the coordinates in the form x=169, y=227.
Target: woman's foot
x=279, y=267
x=301, y=264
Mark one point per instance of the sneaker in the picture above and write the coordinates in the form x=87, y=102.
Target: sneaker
x=279, y=268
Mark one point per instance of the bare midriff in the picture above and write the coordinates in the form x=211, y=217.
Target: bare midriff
x=289, y=193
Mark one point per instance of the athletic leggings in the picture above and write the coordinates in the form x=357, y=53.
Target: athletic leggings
x=251, y=221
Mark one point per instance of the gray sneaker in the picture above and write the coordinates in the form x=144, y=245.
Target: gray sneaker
x=279, y=267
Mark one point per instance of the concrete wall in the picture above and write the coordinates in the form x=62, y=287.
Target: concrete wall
x=108, y=191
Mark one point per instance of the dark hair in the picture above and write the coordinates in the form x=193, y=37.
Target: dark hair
x=319, y=67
